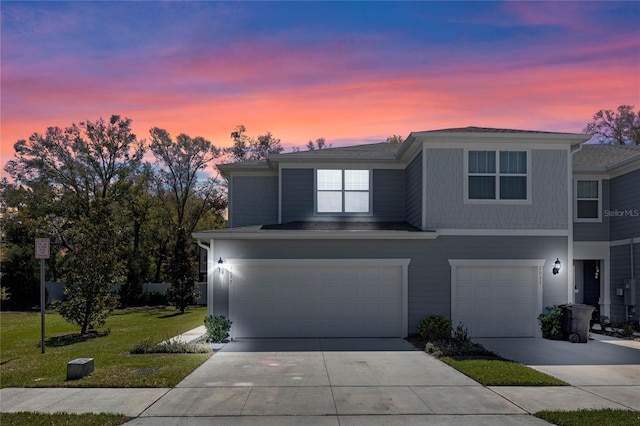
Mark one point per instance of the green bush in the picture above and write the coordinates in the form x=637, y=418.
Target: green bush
x=217, y=328
x=551, y=322
x=434, y=328
x=168, y=347
x=461, y=334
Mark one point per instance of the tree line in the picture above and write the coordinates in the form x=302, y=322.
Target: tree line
x=118, y=210
x=121, y=210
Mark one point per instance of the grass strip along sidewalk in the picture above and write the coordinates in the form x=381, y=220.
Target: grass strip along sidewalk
x=61, y=419
x=490, y=369
x=24, y=366
x=604, y=417
x=495, y=371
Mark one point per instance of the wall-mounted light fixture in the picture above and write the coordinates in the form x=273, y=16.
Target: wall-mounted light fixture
x=556, y=266
x=220, y=268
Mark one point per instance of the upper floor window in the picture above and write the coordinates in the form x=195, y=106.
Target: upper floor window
x=497, y=175
x=342, y=191
x=588, y=199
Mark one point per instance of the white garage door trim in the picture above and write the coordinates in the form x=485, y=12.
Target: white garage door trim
x=456, y=263
x=236, y=264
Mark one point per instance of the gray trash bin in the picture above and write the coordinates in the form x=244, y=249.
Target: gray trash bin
x=576, y=320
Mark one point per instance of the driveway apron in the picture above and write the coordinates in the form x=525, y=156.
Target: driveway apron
x=330, y=381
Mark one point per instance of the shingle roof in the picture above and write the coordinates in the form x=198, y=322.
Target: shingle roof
x=380, y=149
x=473, y=129
x=600, y=156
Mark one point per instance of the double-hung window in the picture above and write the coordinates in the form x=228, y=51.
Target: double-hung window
x=497, y=175
x=588, y=200
x=342, y=191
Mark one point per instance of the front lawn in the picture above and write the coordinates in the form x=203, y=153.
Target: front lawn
x=604, y=417
x=495, y=371
x=24, y=366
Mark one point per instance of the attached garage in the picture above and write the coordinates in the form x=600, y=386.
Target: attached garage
x=318, y=297
x=497, y=298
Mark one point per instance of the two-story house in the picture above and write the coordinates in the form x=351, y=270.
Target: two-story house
x=473, y=223
x=606, y=230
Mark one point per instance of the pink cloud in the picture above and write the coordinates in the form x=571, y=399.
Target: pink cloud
x=335, y=89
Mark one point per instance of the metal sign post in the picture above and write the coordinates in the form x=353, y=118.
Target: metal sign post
x=42, y=253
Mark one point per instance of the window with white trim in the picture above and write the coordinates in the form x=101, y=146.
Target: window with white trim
x=342, y=191
x=587, y=199
x=497, y=175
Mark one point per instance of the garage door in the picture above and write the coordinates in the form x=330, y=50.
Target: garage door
x=497, y=301
x=318, y=298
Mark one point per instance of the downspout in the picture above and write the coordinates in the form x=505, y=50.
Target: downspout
x=210, y=274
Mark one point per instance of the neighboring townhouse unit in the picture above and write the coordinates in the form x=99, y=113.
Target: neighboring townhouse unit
x=365, y=241
x=607, y=229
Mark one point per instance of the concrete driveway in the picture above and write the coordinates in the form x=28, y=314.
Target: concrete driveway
x=329, y=382
x=605, y=367
x=603, y=361
x=357, y=382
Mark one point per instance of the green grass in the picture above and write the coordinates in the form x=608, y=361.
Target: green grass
x=495, y=371
x=22, y=364
x=604, y=417
x=61, y=419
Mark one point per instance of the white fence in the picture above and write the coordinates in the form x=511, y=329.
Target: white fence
x=55, y=290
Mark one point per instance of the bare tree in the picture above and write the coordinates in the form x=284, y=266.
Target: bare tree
x=619, y=127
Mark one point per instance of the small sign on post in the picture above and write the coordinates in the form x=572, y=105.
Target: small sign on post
x=43, y=251
x=42, y=248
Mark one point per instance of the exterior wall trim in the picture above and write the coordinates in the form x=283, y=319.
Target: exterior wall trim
x=279, y=195
x=497, y=262
x=423, y=192
x=230, y=202
x=505, y=232
x=571, y=296
x=325, y=235
x=210, y=273
x=492, y=144
x=625, y=242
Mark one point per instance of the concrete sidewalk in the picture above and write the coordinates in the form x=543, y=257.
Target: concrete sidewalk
x=324, y=382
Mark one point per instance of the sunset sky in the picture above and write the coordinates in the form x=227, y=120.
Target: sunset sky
x=351, y=72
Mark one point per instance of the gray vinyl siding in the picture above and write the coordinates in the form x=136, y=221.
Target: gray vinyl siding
x=413, y=183
x=254, y=200
x=429, y=273
x=446, y=209
x=625, y=206
x=621, y=270
x=297, y=195
x=594, y=231
x=388, y=195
